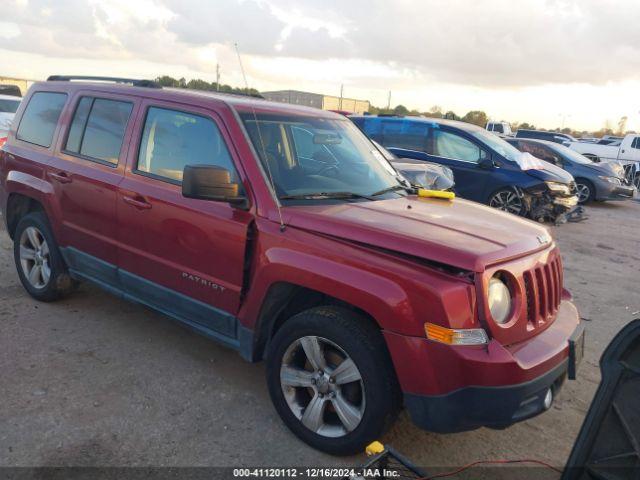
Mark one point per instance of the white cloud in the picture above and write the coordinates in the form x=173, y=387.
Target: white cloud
x=490, y=54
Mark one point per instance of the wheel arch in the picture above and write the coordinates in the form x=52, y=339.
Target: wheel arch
x=285, y=299
x=26, y=193
x=19, y=205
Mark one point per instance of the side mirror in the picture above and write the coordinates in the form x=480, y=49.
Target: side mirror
x=209, y=182
x=486, y=163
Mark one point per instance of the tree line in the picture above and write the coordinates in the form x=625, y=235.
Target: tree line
x=476, y=117
x=199, y=84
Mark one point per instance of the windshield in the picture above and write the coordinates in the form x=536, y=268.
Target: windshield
x=313, y=156
x=571, y=154
x=497, y=144
x=9, y=106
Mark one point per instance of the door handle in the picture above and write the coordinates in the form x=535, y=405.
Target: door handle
x=61, y=177
x=137, y=201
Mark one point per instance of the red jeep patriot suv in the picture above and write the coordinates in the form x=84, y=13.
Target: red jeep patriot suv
x=283, y=233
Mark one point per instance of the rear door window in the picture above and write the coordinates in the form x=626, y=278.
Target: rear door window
x=453, y=146
x=40, y=118
x=172, y=140
x=98, y=128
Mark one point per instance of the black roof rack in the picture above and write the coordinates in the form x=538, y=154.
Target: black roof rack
x=131, y=81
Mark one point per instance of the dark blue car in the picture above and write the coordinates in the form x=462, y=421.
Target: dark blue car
x=486, y=168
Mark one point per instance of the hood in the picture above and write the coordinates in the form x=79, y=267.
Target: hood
x=551, y=173
x=610, y=169
x=458, y=233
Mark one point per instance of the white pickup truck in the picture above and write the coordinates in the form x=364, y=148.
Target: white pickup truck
x=627, y=152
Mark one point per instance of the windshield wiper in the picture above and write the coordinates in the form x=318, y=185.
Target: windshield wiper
x=392, y=188
x=324, y=196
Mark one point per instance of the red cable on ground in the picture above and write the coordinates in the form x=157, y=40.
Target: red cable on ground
x=492, y=462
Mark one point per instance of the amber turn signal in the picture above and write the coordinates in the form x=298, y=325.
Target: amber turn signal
x=468, y=336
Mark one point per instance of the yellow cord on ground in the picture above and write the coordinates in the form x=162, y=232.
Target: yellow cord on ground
x=423, y=192
x=374, y=448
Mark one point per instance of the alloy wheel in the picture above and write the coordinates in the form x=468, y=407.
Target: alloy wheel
x=322, y=386
x=583, y=192
x=636, y=182
x=507, y=201
x=35, y=258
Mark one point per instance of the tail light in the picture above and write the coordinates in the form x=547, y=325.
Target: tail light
x=3, y=140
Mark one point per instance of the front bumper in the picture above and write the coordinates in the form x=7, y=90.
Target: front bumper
x=455, y=388
x=610, y=191
x=473, y=407
x=566, y=202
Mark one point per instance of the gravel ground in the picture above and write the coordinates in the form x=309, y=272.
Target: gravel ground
x=96, y=381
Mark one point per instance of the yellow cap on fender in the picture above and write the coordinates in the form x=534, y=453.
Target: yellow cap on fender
x=374, y=448
x=423, y=192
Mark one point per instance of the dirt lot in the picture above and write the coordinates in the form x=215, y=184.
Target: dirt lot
x=94, y=380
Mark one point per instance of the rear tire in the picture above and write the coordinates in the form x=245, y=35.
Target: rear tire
x=586, y=191
x=40, y=266
x=348, y=380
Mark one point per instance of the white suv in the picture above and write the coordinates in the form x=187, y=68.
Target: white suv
x=8, y=106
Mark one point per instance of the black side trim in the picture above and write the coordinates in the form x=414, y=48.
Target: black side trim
x=201, y=317
x=473, y=407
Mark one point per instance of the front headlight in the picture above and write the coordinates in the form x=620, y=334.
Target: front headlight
x=613, y=180
x=558, y=187
x=499, y=300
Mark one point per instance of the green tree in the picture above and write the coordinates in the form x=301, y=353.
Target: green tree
x=401, y=110
x=451, y=115
x=477, y=117
x=435, y=112
x=199, y=84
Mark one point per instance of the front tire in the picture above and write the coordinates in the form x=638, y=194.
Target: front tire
x=40, y=266
x=586, y=191
x=509, y=201
x=331, y=380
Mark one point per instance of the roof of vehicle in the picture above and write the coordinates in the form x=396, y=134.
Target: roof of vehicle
x=560, y=134
x=430, y=120
x=150, y=90
x=10, y=97
x=11, y=90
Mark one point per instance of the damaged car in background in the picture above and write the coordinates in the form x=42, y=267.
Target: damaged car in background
x=486, y=168
x=594, y=181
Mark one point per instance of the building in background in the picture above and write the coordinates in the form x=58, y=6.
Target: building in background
x=21, y=83
x=325, y=102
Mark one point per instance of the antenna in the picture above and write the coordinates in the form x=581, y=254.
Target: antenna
x=264, y=150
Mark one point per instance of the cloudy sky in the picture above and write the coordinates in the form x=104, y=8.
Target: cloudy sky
x=540, y=61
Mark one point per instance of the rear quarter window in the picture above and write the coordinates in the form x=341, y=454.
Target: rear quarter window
x=38, y=123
